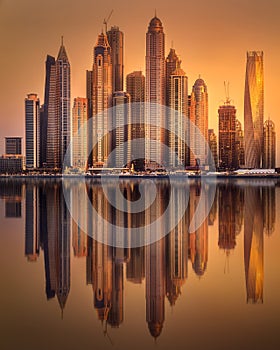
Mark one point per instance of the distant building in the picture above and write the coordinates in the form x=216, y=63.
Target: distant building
x=13, y=145
x=227, y=130
x=32, y=131
x=213, y=146
x=254, y=109
x=269, y=145
x=116, y=42
x=79, y=132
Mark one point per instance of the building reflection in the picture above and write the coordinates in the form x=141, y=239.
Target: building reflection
x=11, y=192
x=163, y=265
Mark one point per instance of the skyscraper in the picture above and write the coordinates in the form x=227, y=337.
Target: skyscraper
x=32, y=131
x=79, y=132
x=254, y=109
x=199, y=117
x=64, y=108
x=155, y=92
x=56, y=117
x=269, y=144
x=101, y=98
x=135, y=86
x=116, y=42
x=178, y=116
x=171, y=64
x=227, y=131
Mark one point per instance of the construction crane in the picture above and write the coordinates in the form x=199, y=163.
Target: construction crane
x=226, y=85
x=107, y=20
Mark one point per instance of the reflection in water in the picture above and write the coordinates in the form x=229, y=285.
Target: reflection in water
x=163, y=265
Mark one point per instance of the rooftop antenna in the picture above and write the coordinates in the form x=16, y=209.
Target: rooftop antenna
x=155, y=12
x=172, y=44
x=105, y=22
x=61, y=40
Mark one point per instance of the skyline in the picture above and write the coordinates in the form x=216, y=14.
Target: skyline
x=213, y=68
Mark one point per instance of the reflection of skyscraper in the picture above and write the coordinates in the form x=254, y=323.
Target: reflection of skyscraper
x=177, y=248
x=199, y=116
x=269, y=144
x=253, y=244
x=198, y=240
x=155, y=91
x=254, y=109
x=79, y=132
x=116, y=42
x=31, y=223
x=55, y=228
x=269, y=209
x=32, y=131
x=227, y=230
x=135, y=267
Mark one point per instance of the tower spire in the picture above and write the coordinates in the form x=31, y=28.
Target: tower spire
x=61, y=40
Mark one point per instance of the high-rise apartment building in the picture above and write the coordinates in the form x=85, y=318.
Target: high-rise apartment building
x=101, y=99
x=32, y=131
x=79, y=132
x=198, y=114
x=254, y=109
x=135, y=86
x=178, y=116
x=116, y=42
x=13, y=145
x=227, y=131
x=269, y=145
x=155, y=135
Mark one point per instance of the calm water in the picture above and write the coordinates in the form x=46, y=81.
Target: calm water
x=215, y=288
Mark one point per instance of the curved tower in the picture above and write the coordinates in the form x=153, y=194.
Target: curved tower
x=253, y=109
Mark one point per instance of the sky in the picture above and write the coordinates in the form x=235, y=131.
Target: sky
x=210, y=37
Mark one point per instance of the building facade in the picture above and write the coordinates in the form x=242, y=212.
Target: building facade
x=171, y=63
x=269, y=145
x=79, y=132
x=227, y=132
x=13, y=145
x=254, y=109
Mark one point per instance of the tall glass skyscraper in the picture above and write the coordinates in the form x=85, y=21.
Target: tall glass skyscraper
x=269, y=144
x=254, y=109
x=155, y=92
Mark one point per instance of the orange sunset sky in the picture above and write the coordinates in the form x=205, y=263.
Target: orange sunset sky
x=211, y=38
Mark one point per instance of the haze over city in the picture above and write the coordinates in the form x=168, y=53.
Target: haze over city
x=210, y=38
